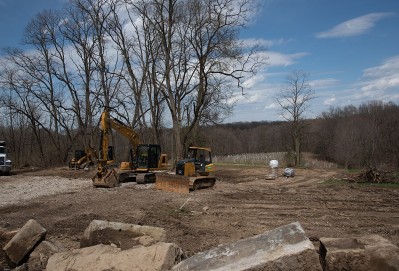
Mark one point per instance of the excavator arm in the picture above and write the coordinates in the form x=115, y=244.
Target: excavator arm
x=106, y=123
x=106, y=177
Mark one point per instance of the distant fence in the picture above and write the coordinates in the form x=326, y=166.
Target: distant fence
x=251, y=158
x=264, y=159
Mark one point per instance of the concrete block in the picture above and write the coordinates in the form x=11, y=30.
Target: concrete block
x=21, y=245
x=122, y=235
x=365, y=253
x=161, y=256
x=6, y=235
x=39, y=257
x=284, y=248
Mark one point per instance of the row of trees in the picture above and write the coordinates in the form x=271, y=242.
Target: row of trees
x=155, y=63
x=367, y=135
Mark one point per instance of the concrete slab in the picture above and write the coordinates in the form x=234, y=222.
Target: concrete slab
x=284, y=248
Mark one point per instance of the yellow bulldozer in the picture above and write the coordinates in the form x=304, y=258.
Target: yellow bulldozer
x=144, y=158
x=194, y=172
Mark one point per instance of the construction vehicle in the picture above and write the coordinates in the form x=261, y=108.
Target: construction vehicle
x=144, y=159
x=194, y=172
x=83, y=159
x=5, y=164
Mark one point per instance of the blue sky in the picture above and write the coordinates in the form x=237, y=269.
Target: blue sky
x=350, y=48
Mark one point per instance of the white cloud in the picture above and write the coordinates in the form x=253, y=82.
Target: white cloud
x=247, y=43
x=354, y=27
x=383, y=77
x=272, y=106
x=323, y=83
x=389, y=67
x=254, y=80
x=277, y=59
x=330, y=101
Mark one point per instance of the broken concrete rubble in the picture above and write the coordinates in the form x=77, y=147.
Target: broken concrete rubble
x=24, y=241
x=132, y=247
x=122, y=235
x=39, y=257
x=284, y=248
x=367, y=253
x=161, y=256
x=6, y=235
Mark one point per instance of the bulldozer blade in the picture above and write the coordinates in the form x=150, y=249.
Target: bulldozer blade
x=172, y=183
x=106, y=179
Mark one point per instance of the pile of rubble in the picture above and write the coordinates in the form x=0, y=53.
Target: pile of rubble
x=119, y=246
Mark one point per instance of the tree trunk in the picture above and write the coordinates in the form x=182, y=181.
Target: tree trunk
x=297, y=145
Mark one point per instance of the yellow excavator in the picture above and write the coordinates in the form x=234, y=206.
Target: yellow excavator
x=83, y=159
x=144, y=158
x=194, y=172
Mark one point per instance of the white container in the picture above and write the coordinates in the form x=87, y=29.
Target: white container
x=273, y=164
x=273, y=171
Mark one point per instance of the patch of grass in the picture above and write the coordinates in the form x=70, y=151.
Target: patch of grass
x=335, y=182
x=183, y=210
x=342, y=182
x=354, y=170
x=385, y=185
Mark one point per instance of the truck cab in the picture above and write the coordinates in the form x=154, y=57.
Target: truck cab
x=5, y=164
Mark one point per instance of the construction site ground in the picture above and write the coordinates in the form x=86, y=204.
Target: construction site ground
x=243, y=203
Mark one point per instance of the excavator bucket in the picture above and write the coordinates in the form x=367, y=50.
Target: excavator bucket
x=106, y=178
x=172, y=183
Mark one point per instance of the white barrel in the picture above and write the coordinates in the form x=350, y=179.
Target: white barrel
x=273, y=163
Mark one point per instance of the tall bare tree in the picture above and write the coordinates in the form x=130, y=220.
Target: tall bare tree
x=74, y=52
x=294, y=100
x=135, y=48
x=200, y=58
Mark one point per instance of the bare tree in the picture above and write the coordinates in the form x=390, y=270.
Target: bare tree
x=200, y=59
x=294, y=100
x=219, y=59
x=139, y=58
x=21, y=99
x=74, y=52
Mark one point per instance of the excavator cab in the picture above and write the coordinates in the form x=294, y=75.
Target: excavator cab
x=148, y=156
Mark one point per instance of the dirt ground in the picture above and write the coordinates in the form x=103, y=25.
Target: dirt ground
x=242, y=203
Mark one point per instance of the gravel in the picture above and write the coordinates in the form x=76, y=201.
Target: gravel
x=24, y=188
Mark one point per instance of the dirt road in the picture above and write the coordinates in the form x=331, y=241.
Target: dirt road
x=243, y=203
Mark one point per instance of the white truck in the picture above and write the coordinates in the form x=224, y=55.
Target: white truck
x=5, y=164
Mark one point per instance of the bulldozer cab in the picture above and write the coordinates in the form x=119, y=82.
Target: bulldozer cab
x=199, y=161
x=201, y=158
